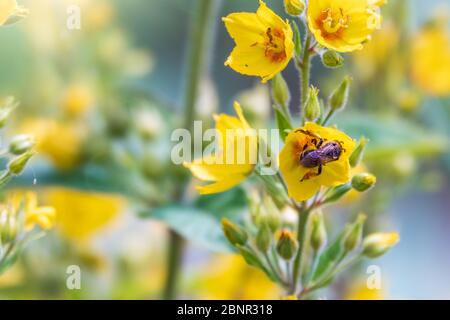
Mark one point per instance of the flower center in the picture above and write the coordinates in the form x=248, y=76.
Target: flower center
x=274, y=45
x=333, y=21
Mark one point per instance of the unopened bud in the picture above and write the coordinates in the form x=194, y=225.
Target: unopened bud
x=358, y=153
x=17, y=165
x=294, y=7
x=8, y=227
x=287, y=245
x=318, y=232
x=354, y=236
x=234, y=233
x=280, y=90
x=312, y=105
x=332, y=59
x=377, y=244
x=5, y=110
x=363, y=181
x=21, y=144
x=339, y=98
x=263, y=239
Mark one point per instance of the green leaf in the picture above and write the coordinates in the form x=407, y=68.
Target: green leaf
x=194, y=224
x=283, y=123
x=229, y=204
x=253, y=260
x=330, y=257
x=297, y=40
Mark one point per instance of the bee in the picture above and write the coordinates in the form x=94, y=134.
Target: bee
x=325, y=152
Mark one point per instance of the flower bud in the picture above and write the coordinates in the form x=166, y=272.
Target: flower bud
x=21, y=144
x=318, y=232
x=280, y=90
x=363, y=181
x=287, y=245
x=332, y=59
x=263, y=239
x=234, y=233
x=354, y=236
x=338, y=99
x=294, y=7
x=377, y=244
x=5, y=110
x=312, y=105
x=17, y=165
x=8, y=227
x=358, y=153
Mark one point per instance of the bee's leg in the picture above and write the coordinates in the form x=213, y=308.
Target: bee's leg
x=317, y=140
x=312, y=174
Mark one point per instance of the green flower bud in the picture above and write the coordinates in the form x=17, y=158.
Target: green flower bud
x=312, y=105
x=377, y=244
x=280, y=90
x=358, y=153
x=332, y=59
x=234, y=233
x=21, y=144
x=5, y=110
x=354, y=236
x=294, y=7
x=263, y=239
x=8, y=227
x=17, y=165
x=318, y=232
x=287, y=245
x=363, y=181
x=339, y=98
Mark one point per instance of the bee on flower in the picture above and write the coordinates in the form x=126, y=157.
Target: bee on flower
x=315, y=156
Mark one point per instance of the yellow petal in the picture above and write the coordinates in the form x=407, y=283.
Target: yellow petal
x=222, y=185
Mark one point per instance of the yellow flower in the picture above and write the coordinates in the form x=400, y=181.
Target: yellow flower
x=430, y=59
x=9, y=9
x=77, y=100
x=343, y=25
x=44, y=216
x=235, y=157
x=61, y=142
x=82, y=214
x=263, y=40
x=301, y=173
x=228, y=277
x=360, y=291
x=372, y=58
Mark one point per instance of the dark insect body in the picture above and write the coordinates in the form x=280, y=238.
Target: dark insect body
x=325, y=152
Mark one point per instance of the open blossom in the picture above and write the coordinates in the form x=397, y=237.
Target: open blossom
x=302, y=174
x=264, y=44
x=343, y=25
x=234, y=160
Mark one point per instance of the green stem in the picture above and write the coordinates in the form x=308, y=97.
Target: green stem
x=175, y=256
x=328, y=117
x=301, y=256
x=196, y=61
x=305, y=71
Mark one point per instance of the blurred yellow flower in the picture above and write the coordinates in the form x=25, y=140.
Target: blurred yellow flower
x=228, y=277
x=77, y=100
x=43, y=216
x=300, y=165
x=430, y=60
x=360, y=291
x=264, y=44
x=82, y=214
x=9, y=9
x=373, y=57
x=61, y=142
x=235, y=157
x=343, y=25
